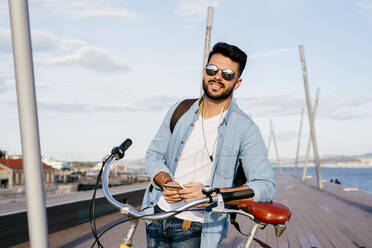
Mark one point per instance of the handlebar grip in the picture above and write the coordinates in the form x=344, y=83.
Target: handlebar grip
x=120, y=150
x=125, y=145
x=237, y=195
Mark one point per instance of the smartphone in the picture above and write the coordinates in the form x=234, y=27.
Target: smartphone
x=172, y=187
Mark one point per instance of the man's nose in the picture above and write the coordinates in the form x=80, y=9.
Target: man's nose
x=218, y=75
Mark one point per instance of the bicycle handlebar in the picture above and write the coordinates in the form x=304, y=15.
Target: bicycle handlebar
x=237, y=195
x=220, y=198
x=119, y=151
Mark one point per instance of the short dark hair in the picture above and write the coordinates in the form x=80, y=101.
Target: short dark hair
x=232, y=52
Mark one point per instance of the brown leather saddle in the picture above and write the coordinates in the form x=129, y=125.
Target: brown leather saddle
x=267, y=212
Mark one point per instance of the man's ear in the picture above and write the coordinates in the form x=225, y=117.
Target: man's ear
x=237, y=84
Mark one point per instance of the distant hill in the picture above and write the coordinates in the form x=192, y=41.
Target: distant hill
x=329, y=158
x=367, y=155
x=347, y=157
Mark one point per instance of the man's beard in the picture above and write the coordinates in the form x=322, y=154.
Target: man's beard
x=223, y=96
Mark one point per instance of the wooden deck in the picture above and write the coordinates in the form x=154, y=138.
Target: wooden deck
x=328, y=218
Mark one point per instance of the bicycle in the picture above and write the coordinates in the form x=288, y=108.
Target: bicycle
x=262, y=214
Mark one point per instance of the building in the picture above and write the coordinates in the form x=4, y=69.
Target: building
x=11, y=173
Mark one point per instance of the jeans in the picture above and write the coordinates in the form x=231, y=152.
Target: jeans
x=169, y=233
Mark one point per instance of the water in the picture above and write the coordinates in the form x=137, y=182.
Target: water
x=360, y=178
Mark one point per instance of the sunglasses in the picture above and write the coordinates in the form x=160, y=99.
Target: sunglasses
x=212, y=70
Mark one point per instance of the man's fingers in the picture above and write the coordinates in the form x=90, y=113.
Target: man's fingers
x=170, y=192
x=172, y=199
x=191, y=187
x=184, y=195
x=188, y=196
x=186, y=191
x=171, y=196
x=174, y=183
x=193, y=184
x=176, y=196
x=191, y=191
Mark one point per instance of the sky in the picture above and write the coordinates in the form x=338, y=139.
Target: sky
x=107, y=70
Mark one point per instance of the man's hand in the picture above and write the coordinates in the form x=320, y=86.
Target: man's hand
x=161, y=178
x=171, y=195
x=191, y=191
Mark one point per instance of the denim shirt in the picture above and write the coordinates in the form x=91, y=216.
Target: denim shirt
x=238, y=138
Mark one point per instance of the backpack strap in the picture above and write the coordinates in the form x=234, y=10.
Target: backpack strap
x=240, y=177
x=180, y=111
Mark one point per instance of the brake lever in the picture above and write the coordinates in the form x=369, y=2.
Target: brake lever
x=220, y=208
x=220, y=205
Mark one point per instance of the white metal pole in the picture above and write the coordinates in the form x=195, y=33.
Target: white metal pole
x=208, y=35
x=311, y=119
x=298, y=142
x=304, y=173
x=276, y=147
x=24, y=74
x=207, y=42
x=269, y=143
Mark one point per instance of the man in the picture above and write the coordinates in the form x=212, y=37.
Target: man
x=205, y=148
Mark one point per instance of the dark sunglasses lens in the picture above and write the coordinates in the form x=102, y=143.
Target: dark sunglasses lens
x=211, y=70
x=228, y=75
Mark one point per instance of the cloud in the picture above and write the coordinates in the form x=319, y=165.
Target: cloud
x=81, y=54
x=86, y=9
x=269, y=53
x=150, y=104
x=4, y=8
x=47, y=86
x=107, y=12
x=345, y=108
x=7, y=102
x=364, y=5
x=364, y=8
x=194, y=10
x=156, y=102
x=42, y=41
x=273, y=105
x=340, y=108
x=5, y=80
x=6, y=85
x=92, y=58
x=4, y=73
x=5, y=41
x=284, y=3
x=286, y=136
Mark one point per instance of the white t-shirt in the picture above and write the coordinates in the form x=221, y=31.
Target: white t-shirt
x=194, y=164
